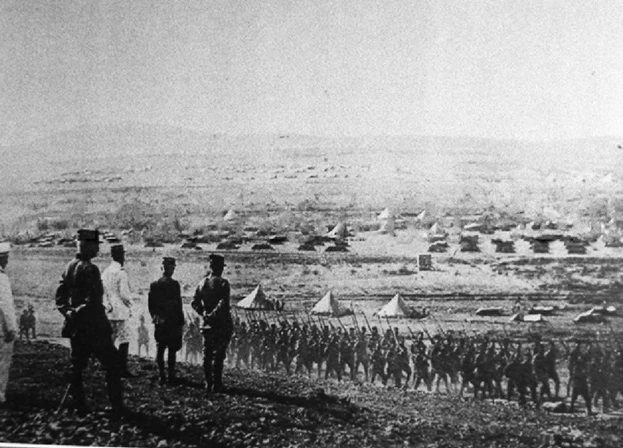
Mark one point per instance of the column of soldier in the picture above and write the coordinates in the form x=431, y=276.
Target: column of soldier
x=488, y=366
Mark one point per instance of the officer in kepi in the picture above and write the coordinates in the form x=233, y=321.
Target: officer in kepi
x=165, y=307
x=211, y=301
x=79, y=297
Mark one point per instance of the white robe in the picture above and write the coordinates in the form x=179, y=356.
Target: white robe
x=118, y=301
x=8, y=324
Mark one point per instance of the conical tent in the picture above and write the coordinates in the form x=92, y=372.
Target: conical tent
x=388, y=226
x=385, y=214
x=436, y=229
x=255, y=301
x=231, y=215
x=396, y=307
x=329, y=306
x=339, y=231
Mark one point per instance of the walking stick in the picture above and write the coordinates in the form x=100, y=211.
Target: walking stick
x=63, y=400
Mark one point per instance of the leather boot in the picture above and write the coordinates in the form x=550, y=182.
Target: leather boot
x=172, y=376
x=207, y=371
x=123, y=354
x=163, y=376
x=77, y=394
x=218, y=376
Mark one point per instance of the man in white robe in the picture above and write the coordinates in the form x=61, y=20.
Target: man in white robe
x=8, y=322
x=118, y=303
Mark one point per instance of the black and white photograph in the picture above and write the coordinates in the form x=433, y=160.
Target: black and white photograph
x=311, y=223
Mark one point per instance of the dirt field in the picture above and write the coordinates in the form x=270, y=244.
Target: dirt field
x=274, y=410
x=452, y=291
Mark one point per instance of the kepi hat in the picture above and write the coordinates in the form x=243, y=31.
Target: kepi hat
x=217, y=260
x=168, y=260
x=116, y=248
x=89, y=235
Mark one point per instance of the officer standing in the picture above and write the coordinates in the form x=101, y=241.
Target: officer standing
x=8, y=324
x=212, y=302
x=165, y=306
x=79, y=298
x=118, y=302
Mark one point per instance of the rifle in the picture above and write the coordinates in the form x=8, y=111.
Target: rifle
x=355, y=320
x=430, y=338
x=367, y=323
x=341, y=324
x=439, y=325
x=411, y=332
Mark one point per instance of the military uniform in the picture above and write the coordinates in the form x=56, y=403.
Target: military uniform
x=79, y=297
x=165, y=306
x=8, y=325
x=211, y=300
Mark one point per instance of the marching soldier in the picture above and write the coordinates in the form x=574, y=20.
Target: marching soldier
x=143, y=336
x=23, y=326
x=579, y=380
x=8, y=324
x=165, y=306
x=212, y=302
x=79, y=297
x=31, y=321
x=378, y=365
x=118, y=302
x=551, y=355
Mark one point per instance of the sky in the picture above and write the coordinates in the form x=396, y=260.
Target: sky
x=530, y=69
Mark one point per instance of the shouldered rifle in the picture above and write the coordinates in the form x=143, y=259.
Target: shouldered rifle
x=341, y=324
x=367, y=323
x=430, y=338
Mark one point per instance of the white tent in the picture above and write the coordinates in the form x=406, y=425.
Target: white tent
x=520, y=317
x=385, y=214
x=255, y=301
x=329, y=306
x=436, y=233
x=339, y=231
x=388, y=227
x=231, y=215
x=396, y=307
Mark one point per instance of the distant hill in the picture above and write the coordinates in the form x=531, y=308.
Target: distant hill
x=143, y=139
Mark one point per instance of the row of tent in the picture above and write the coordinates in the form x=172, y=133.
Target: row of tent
x=330, y=306
x=537, y=314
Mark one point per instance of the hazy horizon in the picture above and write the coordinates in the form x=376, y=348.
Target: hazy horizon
x=205, y=133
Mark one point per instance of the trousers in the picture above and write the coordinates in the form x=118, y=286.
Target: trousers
x=102, y=347
x=6, y=357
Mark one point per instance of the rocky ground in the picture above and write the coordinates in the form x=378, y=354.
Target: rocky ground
x=273, y=410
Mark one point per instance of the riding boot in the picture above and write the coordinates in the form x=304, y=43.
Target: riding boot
x=218, y=375
x=163, y=376
x=123, y=354
x=171, y=370
x=207, y=371
x=77, y=392
x=114, y=388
